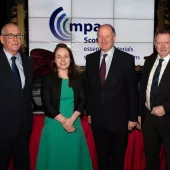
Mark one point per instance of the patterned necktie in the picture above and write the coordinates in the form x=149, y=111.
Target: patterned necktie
x=155, y=81
x=16, y=72
x=103, y=70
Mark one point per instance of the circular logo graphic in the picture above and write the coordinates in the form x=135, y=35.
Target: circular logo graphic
x=59, y=25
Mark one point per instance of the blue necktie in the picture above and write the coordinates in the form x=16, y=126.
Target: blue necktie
x=155, y=81
x=16, y=72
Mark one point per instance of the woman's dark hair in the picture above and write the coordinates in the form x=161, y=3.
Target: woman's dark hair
x=72, y=69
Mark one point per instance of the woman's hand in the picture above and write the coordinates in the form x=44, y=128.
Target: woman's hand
x=68, y=124
x=60, y=118
x=69, y=130
x=72, y=129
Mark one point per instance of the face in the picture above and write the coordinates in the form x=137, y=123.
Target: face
x=162, y=44
x=62, y=59
x=11, y=45
x=106, y=38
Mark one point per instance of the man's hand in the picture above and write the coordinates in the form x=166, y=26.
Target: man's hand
x=138, y=126
x=89, y=120
x=131, y=125
x=158, y=111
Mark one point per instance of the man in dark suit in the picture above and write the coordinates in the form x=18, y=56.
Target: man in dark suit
x=111, y=98
x=154, y=97
x=16, y=72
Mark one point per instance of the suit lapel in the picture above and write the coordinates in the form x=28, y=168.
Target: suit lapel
x=164, y=78
x=9, y=78
x=25, y=69
x=96, y=66
x=114, y=68
x=4, y=65
x=148, y=70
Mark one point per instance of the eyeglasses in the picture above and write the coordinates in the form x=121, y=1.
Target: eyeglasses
x=12, y=36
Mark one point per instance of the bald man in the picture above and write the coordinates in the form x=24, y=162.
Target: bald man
x=16, y=72
x=111, y=94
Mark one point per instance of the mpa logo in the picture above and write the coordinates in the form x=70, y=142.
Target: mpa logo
x=59, y=27
x=62, y=28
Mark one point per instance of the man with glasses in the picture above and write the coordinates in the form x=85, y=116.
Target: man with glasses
x=16, y=72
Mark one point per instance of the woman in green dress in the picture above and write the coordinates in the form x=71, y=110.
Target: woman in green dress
x=63, y=145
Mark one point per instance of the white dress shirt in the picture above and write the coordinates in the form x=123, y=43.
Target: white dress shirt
x=164, y=64
x=19, y=65
x=108, y=59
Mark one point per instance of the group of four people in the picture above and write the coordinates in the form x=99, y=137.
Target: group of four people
x=108, y=94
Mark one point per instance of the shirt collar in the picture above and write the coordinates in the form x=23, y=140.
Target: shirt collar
x=166, y=59
x=109, y=53
x=8, y=55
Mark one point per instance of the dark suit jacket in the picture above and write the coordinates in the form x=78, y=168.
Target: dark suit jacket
x=51, y=91
x=15, y=104
x=116, y=103
x=163, y=93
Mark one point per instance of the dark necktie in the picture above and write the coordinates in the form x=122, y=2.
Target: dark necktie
x=155, y=81
x=103, y=70
x=16, y=72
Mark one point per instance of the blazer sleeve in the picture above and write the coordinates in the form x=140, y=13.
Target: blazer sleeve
x=132, y=88
x=166, y=107
x=48, y=107
x=141, y=97
x=87, y=87
x=81, y=103
x=142, y=91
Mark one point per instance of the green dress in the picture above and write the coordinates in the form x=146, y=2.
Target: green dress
x=59, y=150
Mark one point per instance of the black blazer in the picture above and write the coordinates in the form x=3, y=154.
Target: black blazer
x=51, y=91
x=15, y=104
x=116, y=103
x=163, y=93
